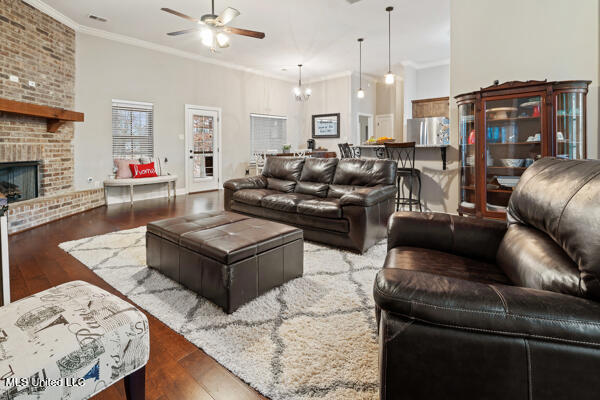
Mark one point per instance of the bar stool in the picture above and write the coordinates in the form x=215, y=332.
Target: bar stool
x=404, y=155
x=345, y=150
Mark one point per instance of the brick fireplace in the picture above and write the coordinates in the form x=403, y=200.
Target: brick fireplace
x=37, y=48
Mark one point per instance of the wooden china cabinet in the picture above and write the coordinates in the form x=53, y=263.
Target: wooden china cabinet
x=505, y=127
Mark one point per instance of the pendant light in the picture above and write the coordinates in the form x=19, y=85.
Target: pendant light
x=361, y=93
x=389, y=77
x=300, y=96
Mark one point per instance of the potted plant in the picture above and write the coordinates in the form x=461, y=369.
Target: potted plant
x=287, y=148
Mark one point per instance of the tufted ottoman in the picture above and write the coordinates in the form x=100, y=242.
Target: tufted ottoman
x=71, y=342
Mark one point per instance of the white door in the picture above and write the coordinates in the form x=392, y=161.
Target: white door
x=385, y=125
x=202, y=148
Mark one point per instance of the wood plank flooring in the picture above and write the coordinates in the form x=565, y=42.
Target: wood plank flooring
x=177, y=369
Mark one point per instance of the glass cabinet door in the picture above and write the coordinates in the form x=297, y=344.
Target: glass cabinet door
x=513, y=141
x=570, y=128
x=466, y=146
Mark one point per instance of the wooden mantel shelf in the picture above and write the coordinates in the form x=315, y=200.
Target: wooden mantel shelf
x=55, y=117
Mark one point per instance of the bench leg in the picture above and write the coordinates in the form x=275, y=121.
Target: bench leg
x=169, y=190
x=135, y=385
x=131, y=195
x=174, y=190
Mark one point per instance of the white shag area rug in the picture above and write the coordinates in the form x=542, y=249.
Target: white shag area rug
x=312, y=338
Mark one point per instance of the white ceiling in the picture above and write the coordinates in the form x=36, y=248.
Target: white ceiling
x=321, y=34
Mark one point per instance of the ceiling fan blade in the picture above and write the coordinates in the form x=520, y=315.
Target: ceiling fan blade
x=181, y=15
x=226, y=16
x=183, y=32
x=244, y=32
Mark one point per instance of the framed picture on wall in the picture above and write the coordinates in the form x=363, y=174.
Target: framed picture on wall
x=326, y=126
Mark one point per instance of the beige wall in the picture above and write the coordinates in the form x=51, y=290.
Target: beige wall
x=520, y=40
x=107, y=70
x=329, y=97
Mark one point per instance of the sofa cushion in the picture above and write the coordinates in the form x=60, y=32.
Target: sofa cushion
x=561, y=199
x=285, y=168
x=445, y=264
x=284, y=201
x=319, y=169
x=311, y=222
x=337, y=191
x=326, y=208
x=252, y=196
x=281, y=185
x=365, y=172
x=312, y=188
x=532, y=259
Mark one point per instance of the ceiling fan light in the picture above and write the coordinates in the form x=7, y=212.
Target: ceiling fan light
x=207, y=36
x=222, y=39
x=389, y=78
x=360, y=94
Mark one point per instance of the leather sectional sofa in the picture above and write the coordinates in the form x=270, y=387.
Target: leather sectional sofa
x=481, y=309
x=344, y=203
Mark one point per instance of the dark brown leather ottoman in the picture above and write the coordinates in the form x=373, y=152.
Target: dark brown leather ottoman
x=225, y=257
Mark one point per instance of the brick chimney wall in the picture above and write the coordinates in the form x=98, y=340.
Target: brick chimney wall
x=35, y=47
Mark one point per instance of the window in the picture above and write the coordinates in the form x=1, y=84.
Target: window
x=132, y=129
x=267, y=132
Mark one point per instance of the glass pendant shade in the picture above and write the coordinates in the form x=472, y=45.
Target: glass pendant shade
x=389, y=78
x=360, y=94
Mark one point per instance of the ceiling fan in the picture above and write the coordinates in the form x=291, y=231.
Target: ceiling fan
x=212, y=27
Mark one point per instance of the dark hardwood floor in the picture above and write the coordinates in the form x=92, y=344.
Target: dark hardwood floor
x=177, y=369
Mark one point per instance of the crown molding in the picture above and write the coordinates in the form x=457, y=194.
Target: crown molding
x=429, y=64
x=57, y=15
x=343, y=74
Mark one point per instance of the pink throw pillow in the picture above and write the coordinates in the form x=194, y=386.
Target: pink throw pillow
x=123, y=170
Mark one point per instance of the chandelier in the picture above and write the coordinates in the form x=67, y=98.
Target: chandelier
x=299, y=93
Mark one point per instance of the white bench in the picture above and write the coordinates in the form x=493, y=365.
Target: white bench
x=131, y=182
x=71, y=342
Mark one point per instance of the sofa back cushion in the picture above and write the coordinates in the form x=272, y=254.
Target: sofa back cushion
x=284, y=168
x=365, y=172
x=561, y=199
x=282, y=173
x=319, y=170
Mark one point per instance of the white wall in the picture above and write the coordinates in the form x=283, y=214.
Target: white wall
x=107, y=70
x=366, y=105
x=329, y=97
x=520, y=40
x=433, y=82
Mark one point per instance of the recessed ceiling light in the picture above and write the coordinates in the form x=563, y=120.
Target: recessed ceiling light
x=97, y=18
x=284, y=69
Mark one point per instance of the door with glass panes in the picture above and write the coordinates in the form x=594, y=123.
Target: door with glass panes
x=202, y=149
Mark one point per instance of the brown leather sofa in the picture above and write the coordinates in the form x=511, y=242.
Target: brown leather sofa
x=344, y=203
x=481, y=309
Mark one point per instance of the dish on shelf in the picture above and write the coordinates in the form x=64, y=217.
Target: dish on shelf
x=500, y=112
x=512, y=162
x=508, y=181
x=467, y=204
x=535, y=138
x=493, y=207
x=530, y=104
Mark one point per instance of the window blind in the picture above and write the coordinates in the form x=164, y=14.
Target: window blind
x=267, y=132
x=132, y=129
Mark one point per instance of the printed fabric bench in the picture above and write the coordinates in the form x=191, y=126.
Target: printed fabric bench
x=71, y=342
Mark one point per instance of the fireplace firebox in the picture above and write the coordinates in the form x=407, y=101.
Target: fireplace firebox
x=20, y=180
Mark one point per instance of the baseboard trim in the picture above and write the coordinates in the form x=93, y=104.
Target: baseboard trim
x=54, y=220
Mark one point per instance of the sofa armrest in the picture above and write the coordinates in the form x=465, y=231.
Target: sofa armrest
x=368, y=196
x=465, y=236
x=487, y=308
x=251, y=182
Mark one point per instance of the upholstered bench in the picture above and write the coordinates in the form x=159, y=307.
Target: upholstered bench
x=71, y=342
x=225, y=257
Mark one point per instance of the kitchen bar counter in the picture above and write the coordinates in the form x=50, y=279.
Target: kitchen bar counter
x=378, y=150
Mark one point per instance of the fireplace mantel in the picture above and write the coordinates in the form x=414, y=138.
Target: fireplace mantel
x=55, y=117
